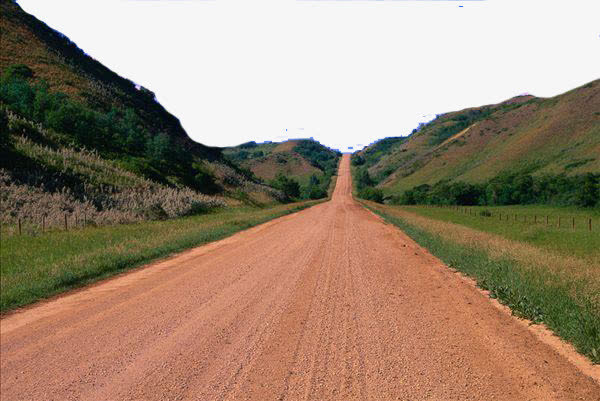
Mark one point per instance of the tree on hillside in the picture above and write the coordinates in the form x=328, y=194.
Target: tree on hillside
x=588, y=194
x=289, y=186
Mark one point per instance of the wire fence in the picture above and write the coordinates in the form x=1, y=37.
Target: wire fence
x=30, y=226
x=570, y=222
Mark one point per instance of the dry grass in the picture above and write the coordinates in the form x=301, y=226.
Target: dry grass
x=110, y=195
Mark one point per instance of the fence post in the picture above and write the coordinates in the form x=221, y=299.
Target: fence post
x=546, y=219
x=76, y=221
x=84, y=220
x=19, y=226
x=573, y=222
x=590, y=224
x=535, y=219
x=43, y=224
x=558, y=221
x=66, y=227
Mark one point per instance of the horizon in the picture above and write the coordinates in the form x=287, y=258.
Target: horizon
x=348, y=81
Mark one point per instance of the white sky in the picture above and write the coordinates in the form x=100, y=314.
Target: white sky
x=344, y=72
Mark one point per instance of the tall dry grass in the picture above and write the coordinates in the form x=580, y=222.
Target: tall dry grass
x=110, y=195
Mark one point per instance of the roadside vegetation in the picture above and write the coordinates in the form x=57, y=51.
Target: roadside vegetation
x=538, y=277
x=509, y=189
x=34, y=267
x=527, y=224
x=363, y=183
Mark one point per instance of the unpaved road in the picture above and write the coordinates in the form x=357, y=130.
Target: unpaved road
x=325, y=304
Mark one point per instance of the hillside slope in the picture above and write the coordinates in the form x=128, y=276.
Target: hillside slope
x=526, y=134
x=71, y=126
x=304, y=160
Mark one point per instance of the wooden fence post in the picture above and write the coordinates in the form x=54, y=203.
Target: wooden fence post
x=19, y=226
x=573, y=222
x=546, y=219
x=535, y=219
x=558, y=221
x=590, y=224
x=43, y=224
x=66, y=227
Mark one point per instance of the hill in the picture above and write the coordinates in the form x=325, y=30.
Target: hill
x=78, y=133
x=545, y=140
x=304, y=160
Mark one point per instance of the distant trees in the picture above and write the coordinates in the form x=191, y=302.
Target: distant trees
x=364, y=185
x=509, y=189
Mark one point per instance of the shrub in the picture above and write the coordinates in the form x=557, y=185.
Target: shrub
x=372, y=194
x=289, y=186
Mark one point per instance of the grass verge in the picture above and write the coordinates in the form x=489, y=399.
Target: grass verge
x=529, y=226
x=564, y=301
x=37, y=267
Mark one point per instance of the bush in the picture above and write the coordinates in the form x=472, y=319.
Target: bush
x=372, y=194
x=357, y=160
x=317, y=193
x=289, y=186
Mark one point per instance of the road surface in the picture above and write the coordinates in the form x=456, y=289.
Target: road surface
x=325, y=304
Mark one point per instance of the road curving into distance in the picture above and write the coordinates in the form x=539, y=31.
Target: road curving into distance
x=325, y=304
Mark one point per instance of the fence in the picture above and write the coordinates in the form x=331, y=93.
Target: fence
x=30, y=226
x=558, y=221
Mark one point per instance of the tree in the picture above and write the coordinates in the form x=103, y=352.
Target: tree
x=588, y=193
x=158, y=148
x=289, y=186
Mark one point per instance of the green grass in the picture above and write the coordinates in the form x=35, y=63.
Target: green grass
x=36, y=267
x=536, y=294
x=578, y=242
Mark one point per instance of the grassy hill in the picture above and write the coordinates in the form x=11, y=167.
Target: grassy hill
x=75, y=136
x=303, y=160
x=542, y=141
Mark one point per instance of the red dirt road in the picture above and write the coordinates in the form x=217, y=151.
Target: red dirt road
x=325, y=304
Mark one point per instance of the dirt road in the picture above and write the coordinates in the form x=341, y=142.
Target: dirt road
x=325, y=304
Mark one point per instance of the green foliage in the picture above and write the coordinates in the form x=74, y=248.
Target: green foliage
x=363, y=179
x=318, y=155
x=372, y=194
x=314, y=189
x=458, y=123
x=509, y=189
x=289, y=186
x=4, y=135
x=205, y=180
x=364, y=185
x=588, y=192
x=117, y=134
x=19, y=71
x=357, y=160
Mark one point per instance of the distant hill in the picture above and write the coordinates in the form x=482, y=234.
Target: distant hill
x=304, y=160
x=65, y=118
x=524, y=135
